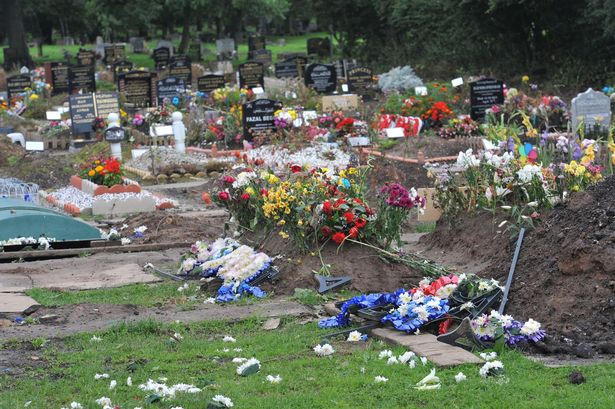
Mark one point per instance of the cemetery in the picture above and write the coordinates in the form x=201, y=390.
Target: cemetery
x=275, y=206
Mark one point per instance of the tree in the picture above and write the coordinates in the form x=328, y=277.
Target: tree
x=18, y=53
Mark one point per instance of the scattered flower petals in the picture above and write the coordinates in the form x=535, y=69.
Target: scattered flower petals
x=460, y=377
x=239, y=360
x=489, y=356
x=406, y=357
x=223, y=400
x=380, y=379
x=324, y=350
x=431, y=381
x=228, y=338
x=274, y=379
x=104, y=401
x=101, y=376
x=168, y=391
x=129, y=381
x=412, y=364
x=424, y=360
x=491, y=368
x=210, y=300
x=95, y=339
x=112, y=385
x=249, y=367
x=355, y=336
x=385, y=354
x=392, y=360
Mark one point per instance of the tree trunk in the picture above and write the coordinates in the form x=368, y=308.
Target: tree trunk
x=183, y=45
x=17, y=54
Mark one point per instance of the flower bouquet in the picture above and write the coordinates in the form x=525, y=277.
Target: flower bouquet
x=103, y=171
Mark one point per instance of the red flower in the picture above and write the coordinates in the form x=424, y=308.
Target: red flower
x=245, y=196
x=295, y=168
x=112, y=166
x=349, y=217
x=340, y=202
x=338, y=237
x=343, y=123
x=353, y=233
x=264, y=192
x=360, y=223
x=229, y=179
x=224, y=196
x=325, y=231
x=326, y=207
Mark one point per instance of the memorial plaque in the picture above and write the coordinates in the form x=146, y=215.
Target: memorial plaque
x=162, y=56
x=321, y=77
x=139, y=88
x=86, y=57
x=484, y=94
x=361, y=81
x=180, y=66
x=208, y=83
x=114, y=53
x=81, y=79
x=17, y=84
x=256, y=42
x=58, y=77
x=258, y=117
x=170, y=88
x=593, y=108
x=320, y=47
x=106, y=103
x=121, y=67
x=82, y=113
x=251, y=75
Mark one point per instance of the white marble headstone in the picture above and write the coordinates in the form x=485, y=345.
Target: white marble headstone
x=592, y=107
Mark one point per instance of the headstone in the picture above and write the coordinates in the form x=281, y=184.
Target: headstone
x=263, y=56
x=138, y=45
x=195, y=52
x=255, y=43
x=593, y=108
x=114, y=53
x=82, y=113
x=81, y=79
x=336, y=102
x=180, y=66
x=225, y=48
x=320, y=47
x=162, y=56
x=106, y=103
x=258, y=117
x=484, y=94
x=121, y=67
x=139, y=88
x=86, y=57
x=208, y=83
x=57, y=74
x=100, y=48
x=17, y=84
x=286, y=69
x=361, y=81
x=166, y=44
x=321, y=77
x=170, y=88
x=251, y=75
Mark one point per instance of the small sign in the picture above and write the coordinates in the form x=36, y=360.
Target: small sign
x=457, y=82
x=343, y=102
x=114, y=53
x=345, y=88
x=361, y=81
x=420, y=91
x=106, y=103
x=591, y=107
x=394, y=132
x=359, y=141
x=114, y=134
x=251, y=74
x=263, y=56
x=258, y=90
x=35, y=146
x=53, y=116
x=208, y=83
x=258, y=117
x=321, y=77
x=161, y=130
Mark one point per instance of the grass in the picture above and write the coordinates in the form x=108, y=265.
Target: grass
x=425, y=227
x=294, y=44
x=144, y=350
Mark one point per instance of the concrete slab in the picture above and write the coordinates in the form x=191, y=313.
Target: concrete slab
x=16, y=303
x=441, y=354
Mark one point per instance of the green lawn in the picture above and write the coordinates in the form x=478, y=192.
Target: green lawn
x=308, y=381
x=296, y=44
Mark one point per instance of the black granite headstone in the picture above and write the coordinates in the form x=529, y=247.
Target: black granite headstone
x=251, y=75
x=170, y=88
x=484, y=94
x=258, y=116
x=321, y=77
x=208, y=83
x=81, y=79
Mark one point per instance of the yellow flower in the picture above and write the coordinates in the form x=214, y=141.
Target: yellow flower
x=299, y=222
x=283, y=234
x=250, y=191
x=282, y=222
x=353, y=171
x=98, y=168
x=123, y=113
x=33, y=97
x=91, y=173
x=273, y=179
x=525, y=78
x=97, y=162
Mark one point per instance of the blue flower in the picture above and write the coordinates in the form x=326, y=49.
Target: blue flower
x=175, y=101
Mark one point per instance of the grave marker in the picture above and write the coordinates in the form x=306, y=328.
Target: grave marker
x=57, y=75
x=86, y=57
x=321, y=77
x=170, y=88
x=287, y=69
x=114, y=53
x=82, y=113
x=161, y=56
x=591, y=107
x=180, y=66
x=138, y=45
x=17, y=84
x=258, y=117
x=262, y=56
x=81, y=79
x=166, y=44
x=255, y=43
x=361, y=81
x=320, y=47
x=106, y=103
x=121, y=67
x=195, y=50
x=139, y=88
x=251, y=75
x=208, y=83
x=225, y=48
x=484, y=94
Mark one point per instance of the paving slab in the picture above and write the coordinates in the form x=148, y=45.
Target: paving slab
x=427, y=345
x=16, y=303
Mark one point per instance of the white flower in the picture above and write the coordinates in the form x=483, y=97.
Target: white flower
x=460, y=377
x=403, y=309
x=228, y=338
x=243, y=179
x=362, y=369
x=423, y=360
x=28, y=403
x=125, y=241
x=467, y=159
x=392, y=360
x=506, y=207
x=380, y=379
x=112, y=385
x=491, y=368
x=489, y=356
x=76, y=405
x=467, y=306
x=178, y=336
x=405, y=298
x=168, y=391
x=412, y=364
x=129, y=381
x=239, y=360
x=124, y=226
x=188, y=264
x=104, y=401
x=101, y=376
x=274, y=379
x=431, y=381
x=354, y=336
x=237, y=349
x=177, y=407
x=406, y=357
x=446, y=291
x=95, y=339
x=385, y=354
x=210, y=300
x=250, y=362
x=324, y=350
x=140, y=229
x=422, y=312
x=530, y=327
x=223, y=400
x=528, y=172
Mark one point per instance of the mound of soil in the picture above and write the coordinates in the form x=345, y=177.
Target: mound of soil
x=565, y=276
x=432, y=146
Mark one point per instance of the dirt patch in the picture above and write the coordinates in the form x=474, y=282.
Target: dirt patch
x=432, y=146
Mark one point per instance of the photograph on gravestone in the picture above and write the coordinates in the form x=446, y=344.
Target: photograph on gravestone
x=106, y=103
x=161, y=56
x=86, y=57
x=169, y=88
x=82, y=113
x=138, y=89
x=58, y=74
x=321, y=77
x=81, y=78
x=121, y=67
x=180, y=66
x=361, y=81
x=484, y=94
x=593, y=109
x=208, y=83
x=17, y=84
x=251, y=75
x=258, y=116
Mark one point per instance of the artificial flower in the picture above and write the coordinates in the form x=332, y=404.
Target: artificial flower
x=324, y=350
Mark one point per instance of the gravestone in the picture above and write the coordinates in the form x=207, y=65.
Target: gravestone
x=321, y=77
x=86, y=57
x=100, y=48
x=255, y=43
x=195, y=52
x=286, y=69
x=591, y=107
x=166, y=44
x=225, y=48
x=161, y=56
x=251, y=75
x=258, y=117
x=170, y=88
x=180, y=66
x=137, y=44
x=484, y=94
x=320, y=47
x=57, y=74
x=361, y=81
x=81, y=79
x=106, y=103
x=114, y=53
x=17, y=84
x=82, y=113
x=263, y=56
x=208, y=83
x=121, y=67
x=139, y=88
